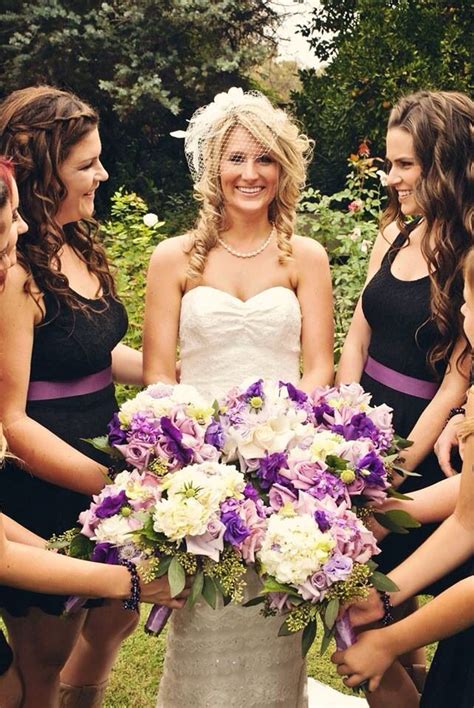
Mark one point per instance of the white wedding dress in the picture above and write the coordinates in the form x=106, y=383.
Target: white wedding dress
x=232, y=657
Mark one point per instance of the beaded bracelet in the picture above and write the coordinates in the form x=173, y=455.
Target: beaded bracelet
x=387, y=607
x=453, y=412
x=132, y=603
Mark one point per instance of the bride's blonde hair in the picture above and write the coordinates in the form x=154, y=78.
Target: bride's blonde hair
x=278, y=135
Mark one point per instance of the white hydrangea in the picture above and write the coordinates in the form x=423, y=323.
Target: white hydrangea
x=178, y=517
x=325, y=443
x=294, y=548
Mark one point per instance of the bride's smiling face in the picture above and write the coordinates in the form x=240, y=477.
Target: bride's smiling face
x=248, y=173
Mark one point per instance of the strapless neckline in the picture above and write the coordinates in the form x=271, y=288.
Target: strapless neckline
x=238, y=299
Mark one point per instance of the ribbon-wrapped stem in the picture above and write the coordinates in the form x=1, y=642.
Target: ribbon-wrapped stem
x=157, y=619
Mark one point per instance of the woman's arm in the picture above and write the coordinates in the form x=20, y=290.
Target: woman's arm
x=356, y=345
x=35, y=569
x=165, y=287
x=314, y=292
x=19, y=534
x=376, y=650
x=127, y=365
x=40, y=451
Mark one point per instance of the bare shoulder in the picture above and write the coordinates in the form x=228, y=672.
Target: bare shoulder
x=390, y=232
x=307, y=249
x=16, y=300
x=173, y=252
x=14, y=288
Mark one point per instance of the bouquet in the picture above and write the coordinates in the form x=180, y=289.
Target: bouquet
x=202, y=520
x=316, y=554
x=163, y=429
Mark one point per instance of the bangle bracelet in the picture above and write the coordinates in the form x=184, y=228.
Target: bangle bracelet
x=455, y=411
x=387, y=607
x=132, y=603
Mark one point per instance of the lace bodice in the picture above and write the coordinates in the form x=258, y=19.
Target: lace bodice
x=224, y=340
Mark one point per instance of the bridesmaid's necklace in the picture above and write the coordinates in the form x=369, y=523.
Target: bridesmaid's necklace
x=249, y=254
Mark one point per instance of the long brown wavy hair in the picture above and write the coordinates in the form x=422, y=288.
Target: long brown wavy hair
x=38, y=128
x=441, y=126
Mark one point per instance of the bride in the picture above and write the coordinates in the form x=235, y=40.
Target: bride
x=244, y=298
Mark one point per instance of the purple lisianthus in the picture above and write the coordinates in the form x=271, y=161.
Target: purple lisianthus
x=174, y=441
x=374, y=465
x=105, y=553
x=117, y=436
x=250, y=492
x=322, y=412
x=328, y=484
x=215, y=435
x=269, y=467
x=294, y=393
x=359, y=426
x=322, y=520
x=236, y=531
x=111, y=505
x=256, y=389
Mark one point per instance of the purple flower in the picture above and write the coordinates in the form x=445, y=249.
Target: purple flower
x=117, y=436
x=339, y=567
x=294, y=393
x=328, y=484
x=322, y=520
x=215, y=435
x=236, y=531
x=111, y=505
x=144, y=428
x=256, y=389
x=374, y=465
x=359, y=426
x=322, y=412
x=174, y=441
x=105, y=553
x=250, y=492
x=269, y=467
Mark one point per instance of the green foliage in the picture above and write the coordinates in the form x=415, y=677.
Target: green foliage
x=145, y=64
x=377, y=51
x=346, y=223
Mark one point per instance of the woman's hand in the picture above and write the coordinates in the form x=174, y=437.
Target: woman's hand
x=366, y=660
x=444, y=444
x=158, y=593
x=365, y=611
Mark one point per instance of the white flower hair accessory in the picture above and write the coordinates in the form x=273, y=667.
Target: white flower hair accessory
x=206, y=123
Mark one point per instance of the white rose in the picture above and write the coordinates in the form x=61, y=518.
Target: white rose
x=115, y=530
x=150, y=220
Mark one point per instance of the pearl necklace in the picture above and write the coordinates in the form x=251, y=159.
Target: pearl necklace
x=249, y=254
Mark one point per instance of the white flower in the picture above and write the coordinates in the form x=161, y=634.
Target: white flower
x=325, y=443
x=150, y=220
x=211, y=482
x=382, y=177
x=229, y=99
x=365, y=245
x=355, y=234
x=115, y=530
x=179, y=517
x=294, y=548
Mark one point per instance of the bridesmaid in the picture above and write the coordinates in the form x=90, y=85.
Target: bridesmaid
x=405, y=344
x=30, y=566
x=60, y=330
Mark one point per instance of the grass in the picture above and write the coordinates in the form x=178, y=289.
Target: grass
x=135, y=677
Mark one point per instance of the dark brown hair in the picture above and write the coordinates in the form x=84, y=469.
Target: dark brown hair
x=38, y=128
x=441, y=126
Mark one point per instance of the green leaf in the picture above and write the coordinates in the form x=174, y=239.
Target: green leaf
x=254, y=601
x=164, y=565
x=81, y=547
x=196, y=589
x=309, y=635
x=209, y=592
x=101, y=443
x=271, y=585
x=395, y=494
x=332, y=610
x=176, y=577
x=325, y=641
x=284, y=630
x=336, y=463
x=388, y=523
x=402, y=518
x=382, y=582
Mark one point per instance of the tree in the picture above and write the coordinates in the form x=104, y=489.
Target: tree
x=145, y=64
x=376, y=51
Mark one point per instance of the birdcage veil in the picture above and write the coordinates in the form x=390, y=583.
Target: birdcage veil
x=211, y=131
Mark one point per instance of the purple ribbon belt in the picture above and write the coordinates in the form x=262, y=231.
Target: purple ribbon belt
x=400, y=382
x=47, y=390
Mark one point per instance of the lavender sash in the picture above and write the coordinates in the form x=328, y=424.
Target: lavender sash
x=400, y=382
x=47, y=390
